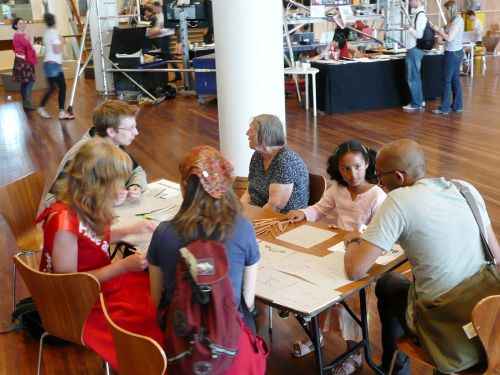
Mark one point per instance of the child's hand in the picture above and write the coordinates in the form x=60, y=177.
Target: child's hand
x=135, y=263
x=295, y=216
x=121, y=197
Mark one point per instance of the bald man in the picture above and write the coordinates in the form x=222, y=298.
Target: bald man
x=433, y=224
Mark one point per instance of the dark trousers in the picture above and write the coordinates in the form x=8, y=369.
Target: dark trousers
x=392, y=292
x=60, y=81
x=26, y=88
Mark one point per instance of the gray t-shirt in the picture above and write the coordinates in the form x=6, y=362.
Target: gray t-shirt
x=438, y=232
x=456, y=43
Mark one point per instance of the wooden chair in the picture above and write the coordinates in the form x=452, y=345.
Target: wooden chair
x=136, y=354
x=486, y=321
x=19, y=202
x=63, y=301
x=317, y=187
x=490, y=44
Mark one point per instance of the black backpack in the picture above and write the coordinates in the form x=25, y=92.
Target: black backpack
x=427, y=41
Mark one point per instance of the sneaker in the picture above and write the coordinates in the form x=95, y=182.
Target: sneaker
x=457, y=110
x=409, y=104
x=438, y=111
x=42, y=112
x=409, y=107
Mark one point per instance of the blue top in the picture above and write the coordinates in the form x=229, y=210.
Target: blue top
x=242, y=250
x=287, y=167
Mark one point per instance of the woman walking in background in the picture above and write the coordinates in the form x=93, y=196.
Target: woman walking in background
x=25, y=60
x=53, y=69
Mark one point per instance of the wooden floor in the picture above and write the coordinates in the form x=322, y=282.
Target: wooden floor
x=464, y=145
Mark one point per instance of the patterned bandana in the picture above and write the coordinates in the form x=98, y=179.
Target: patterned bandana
x=214, y=171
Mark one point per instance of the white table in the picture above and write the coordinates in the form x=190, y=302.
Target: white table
x=306, y=73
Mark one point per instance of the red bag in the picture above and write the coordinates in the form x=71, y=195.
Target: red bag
x=203, y=325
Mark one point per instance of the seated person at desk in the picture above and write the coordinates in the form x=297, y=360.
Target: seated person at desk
x=477, y=27
x=115, y=122
x=278, y=177
x=210, y=210
x=77, y=236
x=349, y=204
x=434, y=225
x=158, y=36
x=338, y=45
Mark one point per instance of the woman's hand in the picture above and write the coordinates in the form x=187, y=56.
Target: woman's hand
x=135, y=263
x=295, y=216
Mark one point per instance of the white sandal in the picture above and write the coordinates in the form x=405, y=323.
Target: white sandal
x=65, y=116
x=42, y=112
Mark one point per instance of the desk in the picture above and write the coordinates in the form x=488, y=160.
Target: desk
x=163, y=198
x=374, y=85
x=306, y=73
x=345, y=291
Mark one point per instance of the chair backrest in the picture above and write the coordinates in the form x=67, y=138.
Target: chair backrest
x=136, y=354
x=486, y=320
x=317, y=187
x=63, y=301
x=19, y=202
x=490, y=43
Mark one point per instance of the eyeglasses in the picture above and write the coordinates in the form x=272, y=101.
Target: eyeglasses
x=130, y=129
x=380, y=174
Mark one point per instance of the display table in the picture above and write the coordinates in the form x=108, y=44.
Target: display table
x=372, y=85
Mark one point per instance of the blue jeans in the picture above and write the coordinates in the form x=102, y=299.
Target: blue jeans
x=413, y=64
x=451, y=81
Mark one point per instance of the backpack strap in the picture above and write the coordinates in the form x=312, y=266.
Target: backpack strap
x=416, y=16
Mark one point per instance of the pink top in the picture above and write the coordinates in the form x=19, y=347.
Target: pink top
x=337, y=208
x=23, y=48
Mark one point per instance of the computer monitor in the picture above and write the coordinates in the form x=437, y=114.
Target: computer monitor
x=127, y=41
x=197, y=11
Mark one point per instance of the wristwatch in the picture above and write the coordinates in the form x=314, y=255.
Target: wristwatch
x=355, y=239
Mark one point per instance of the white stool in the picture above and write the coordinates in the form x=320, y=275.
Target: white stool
x=306, y=72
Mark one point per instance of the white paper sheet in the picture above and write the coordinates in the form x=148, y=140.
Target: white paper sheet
x=171, y=189
x=271, y=253
x=306, y=297
x=270, y=282
x=388, y=256
x=317, y=270
x=306, y=236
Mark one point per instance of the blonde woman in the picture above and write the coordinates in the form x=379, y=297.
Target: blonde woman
x=451, y=97
x=77, y=236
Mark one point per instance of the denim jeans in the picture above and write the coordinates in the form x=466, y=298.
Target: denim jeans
x=413, y=64
x=451, y=81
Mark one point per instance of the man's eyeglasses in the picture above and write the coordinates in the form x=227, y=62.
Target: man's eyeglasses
x=381, y=174
x=130, y=129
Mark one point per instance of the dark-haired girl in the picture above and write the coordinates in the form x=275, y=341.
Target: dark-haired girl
x=25, y=60
x=348, y=204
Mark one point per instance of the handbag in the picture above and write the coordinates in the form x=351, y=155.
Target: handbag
x=440, y=323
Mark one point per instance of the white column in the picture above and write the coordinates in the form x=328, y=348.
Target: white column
x=60, y=10
x=249, y=63
x=109, y=10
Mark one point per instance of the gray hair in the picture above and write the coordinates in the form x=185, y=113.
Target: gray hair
x=269, y=130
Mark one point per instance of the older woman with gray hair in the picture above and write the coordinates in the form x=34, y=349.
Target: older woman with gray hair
x=278, y=177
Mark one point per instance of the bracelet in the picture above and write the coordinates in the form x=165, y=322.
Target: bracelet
x=351, y=240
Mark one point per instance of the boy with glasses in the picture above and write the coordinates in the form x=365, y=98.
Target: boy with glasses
x=114, y=121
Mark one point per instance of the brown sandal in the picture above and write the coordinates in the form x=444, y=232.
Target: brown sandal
x=349, y=366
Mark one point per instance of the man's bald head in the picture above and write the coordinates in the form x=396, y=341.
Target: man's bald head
x=403, y=155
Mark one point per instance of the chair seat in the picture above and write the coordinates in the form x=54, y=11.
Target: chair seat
x=417, y=353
